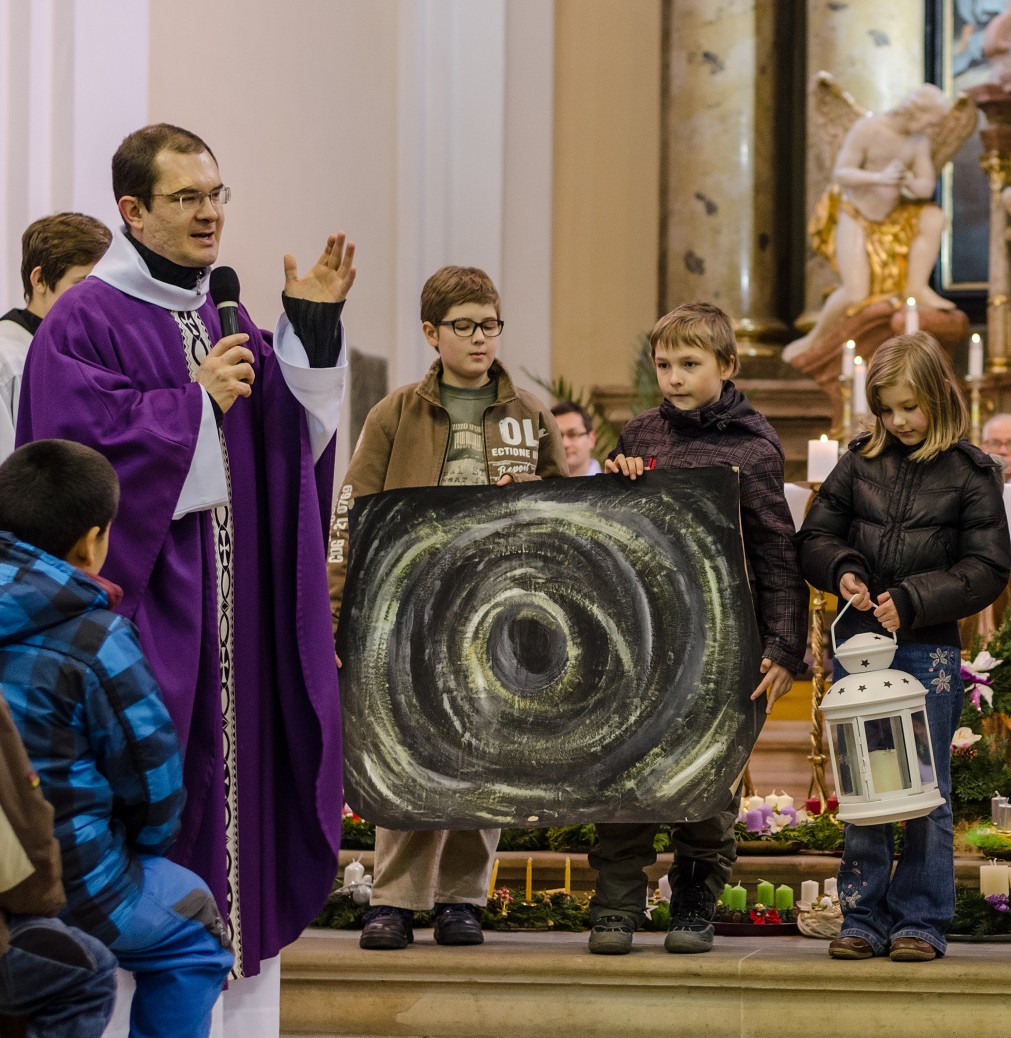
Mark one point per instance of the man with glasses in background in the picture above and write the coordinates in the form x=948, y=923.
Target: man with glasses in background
x=997, y=441
x=576, y=427
x=223, y=445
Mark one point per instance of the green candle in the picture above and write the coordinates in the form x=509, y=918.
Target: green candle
x=784, y=897
x=738, y=899
x=765, y=893
x=725, y=896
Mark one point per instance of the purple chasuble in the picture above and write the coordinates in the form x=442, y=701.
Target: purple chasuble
x=109, y=371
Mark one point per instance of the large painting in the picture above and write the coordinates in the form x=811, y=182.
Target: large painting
x=957, y=28
x=548, y=653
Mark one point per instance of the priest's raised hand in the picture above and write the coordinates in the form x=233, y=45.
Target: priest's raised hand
x=331, y=276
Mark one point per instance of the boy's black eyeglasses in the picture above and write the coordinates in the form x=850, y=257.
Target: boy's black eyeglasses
x=465, y=328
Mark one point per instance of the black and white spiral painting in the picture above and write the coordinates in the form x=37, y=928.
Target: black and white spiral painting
x=548, y=653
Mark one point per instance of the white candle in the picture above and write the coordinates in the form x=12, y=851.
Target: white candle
x=859, y=386
x=975, y=356
x=752, y=802
x=912, y=316
x=885, y=773
x=831, y=887
x=785, y=801
x=822, y=456
x=993, y=879
x=809, y=891
x=353, y=873
x=848, y=353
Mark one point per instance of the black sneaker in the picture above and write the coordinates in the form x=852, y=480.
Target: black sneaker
x=457, y=924
x=692, y=907
x=611, y=935
x=387, y=928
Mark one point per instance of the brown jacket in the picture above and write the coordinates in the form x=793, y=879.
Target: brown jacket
x=29, y=854
x=405, y=440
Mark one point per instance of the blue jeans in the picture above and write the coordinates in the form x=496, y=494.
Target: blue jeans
x=175, y=945
x=61, y=978
x=918, y=899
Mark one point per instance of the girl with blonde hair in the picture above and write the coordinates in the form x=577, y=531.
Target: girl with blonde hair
x=910, y=528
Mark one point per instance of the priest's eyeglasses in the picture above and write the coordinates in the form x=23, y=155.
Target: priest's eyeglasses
x=191, y=201
x=465, y=327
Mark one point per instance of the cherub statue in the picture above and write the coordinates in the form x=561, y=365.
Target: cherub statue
x=876, y=222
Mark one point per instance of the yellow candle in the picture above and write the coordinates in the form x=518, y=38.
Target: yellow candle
x=494, y=876
x=885, y=772
x=530, y=879
x=568, y=875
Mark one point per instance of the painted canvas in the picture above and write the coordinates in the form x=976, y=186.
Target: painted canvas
x=548, y=653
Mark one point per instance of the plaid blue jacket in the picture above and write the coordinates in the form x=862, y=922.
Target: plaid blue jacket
x=95, y=727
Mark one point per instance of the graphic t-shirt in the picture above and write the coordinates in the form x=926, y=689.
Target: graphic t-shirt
x=465, y=462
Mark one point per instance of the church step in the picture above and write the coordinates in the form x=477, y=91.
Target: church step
x=532, y=985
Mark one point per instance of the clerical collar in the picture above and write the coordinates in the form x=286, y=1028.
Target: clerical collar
x=163, y=269
x=25, y=318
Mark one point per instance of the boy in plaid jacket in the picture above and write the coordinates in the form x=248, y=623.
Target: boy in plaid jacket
x=93, y=721
x=703, y=421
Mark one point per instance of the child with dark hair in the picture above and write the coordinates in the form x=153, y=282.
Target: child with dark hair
x=464, y=424
x=57, y=252
x=93, y=721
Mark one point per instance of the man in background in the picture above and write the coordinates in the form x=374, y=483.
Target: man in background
x=576, y=428
x=56, y=253
x=997, y=441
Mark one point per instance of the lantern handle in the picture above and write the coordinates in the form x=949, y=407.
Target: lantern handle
x=839, y=616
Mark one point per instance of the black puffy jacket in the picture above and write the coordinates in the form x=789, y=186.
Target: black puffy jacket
x=933, y=534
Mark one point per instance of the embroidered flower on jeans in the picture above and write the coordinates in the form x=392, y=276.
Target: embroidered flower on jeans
x=938, y=657
x=942, y=683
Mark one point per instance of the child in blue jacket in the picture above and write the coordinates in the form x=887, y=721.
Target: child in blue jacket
x=93, y=721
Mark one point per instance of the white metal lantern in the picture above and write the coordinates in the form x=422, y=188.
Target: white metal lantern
x=879, y=740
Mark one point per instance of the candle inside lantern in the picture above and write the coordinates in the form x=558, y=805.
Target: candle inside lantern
x=993, y=879
x=738, y=899
x=848, y=353
x=809, y=891
x=822, y=455
x=912, y=316
x=765, y=893
x=885, y=772
x=353, y=873
x=975, y=356
x=530, y=879
x=831, y=887
x=784, y=897
x=568, y=875
x=494, y=877
x=859, y=386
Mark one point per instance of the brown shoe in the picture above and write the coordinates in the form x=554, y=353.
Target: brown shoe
x=851, y=948
x=912, y=949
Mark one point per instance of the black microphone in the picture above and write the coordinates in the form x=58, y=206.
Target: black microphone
x=225, y=293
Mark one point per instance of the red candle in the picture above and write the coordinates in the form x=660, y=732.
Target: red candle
x=813, y=806
x=832, y=804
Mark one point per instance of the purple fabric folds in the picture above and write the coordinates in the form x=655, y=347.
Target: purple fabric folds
x=108, y=370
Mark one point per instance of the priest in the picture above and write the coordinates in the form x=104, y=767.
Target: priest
x=224, y=448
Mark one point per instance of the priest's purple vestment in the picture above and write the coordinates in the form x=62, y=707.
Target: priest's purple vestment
x=234, y=617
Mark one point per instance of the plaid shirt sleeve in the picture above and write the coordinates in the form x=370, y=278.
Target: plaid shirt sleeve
x=134, y=742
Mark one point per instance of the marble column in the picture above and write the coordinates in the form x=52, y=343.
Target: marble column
x=875, y=52
x=996, y=163
x=722, y=238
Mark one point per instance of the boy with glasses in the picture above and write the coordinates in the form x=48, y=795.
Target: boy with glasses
x=464, y=423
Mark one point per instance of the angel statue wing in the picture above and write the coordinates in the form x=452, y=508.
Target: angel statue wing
x=833, y=112
x=952, y=132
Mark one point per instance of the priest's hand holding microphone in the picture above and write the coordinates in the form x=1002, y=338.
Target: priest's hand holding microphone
x=227, y=370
